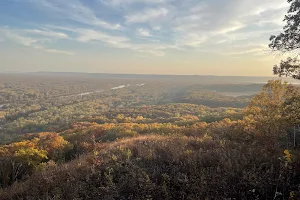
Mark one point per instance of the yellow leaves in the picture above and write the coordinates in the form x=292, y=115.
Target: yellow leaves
x=34, y=151
x=25, y=152
x=188, y=152
x=269, y=99
x=139, y=118
x=252, y=109
x=127, y=153
x=230, y=111
x=95, y=153
x=51, y=141
x=21, y=145
x=288, y=156
x=189, y=117
x=120, y=117
x=205, y=138
x=200, y=125
x=4, y=151
x=249, y=119
x=267, y=111
x=114, y=157
x=2, y=114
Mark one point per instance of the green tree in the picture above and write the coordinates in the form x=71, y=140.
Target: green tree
x=288, y=42
x=266, y=110
x=292, y=105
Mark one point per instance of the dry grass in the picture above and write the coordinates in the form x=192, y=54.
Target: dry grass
x=162, y=167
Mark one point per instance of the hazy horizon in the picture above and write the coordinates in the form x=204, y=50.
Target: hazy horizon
x=140, y=37
x=144, y=74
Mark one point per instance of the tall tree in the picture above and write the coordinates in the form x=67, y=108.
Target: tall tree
x=289, y=42
x=273, y=111
x=265, y=110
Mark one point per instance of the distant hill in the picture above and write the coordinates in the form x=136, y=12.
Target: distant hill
x=201, y=79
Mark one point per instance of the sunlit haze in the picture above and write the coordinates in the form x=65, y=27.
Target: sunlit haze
x=214, y=37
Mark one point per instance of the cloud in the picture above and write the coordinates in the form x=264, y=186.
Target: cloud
x=146, y=15
x=86, y=35
x=59, y=51
x=74, y=11
x=24, y=38
x=221, y=41
x=156, y=28
x=47, y=33
x=14, y=36
x=190, y=39
x=53, y=50
x=121, y=42
x=190, y=25
x=206, y=23
x=233, y=27
x=118, y=40
x=143, y=32
x=258, y=51
x=91, y=36
x=252, y=49
x=129, y=2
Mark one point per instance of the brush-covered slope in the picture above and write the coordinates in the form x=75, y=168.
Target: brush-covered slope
x=162, y=167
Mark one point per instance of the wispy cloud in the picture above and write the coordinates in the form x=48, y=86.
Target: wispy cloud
x=26, y=38
x=74, y=11
x=191, y=25
x=53, y=50
x=47, y=33
x=250, y=49
x=129, y=2
x=143, y=32
x=87, y=35
x=18, y=38
x=146, y=15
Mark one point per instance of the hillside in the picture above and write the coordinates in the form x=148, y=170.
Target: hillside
x=164, y=167
x=148, y=140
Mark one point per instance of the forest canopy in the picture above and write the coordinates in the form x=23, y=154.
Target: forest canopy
x=163, y=137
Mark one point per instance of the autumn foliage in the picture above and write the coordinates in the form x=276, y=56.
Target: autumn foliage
x=163, y=152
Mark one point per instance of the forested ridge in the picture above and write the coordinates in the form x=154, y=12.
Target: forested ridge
x=143, y=139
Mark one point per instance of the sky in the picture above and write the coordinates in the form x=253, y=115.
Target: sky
x=198, y=37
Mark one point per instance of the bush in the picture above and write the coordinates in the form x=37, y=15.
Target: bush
x=160, y=167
